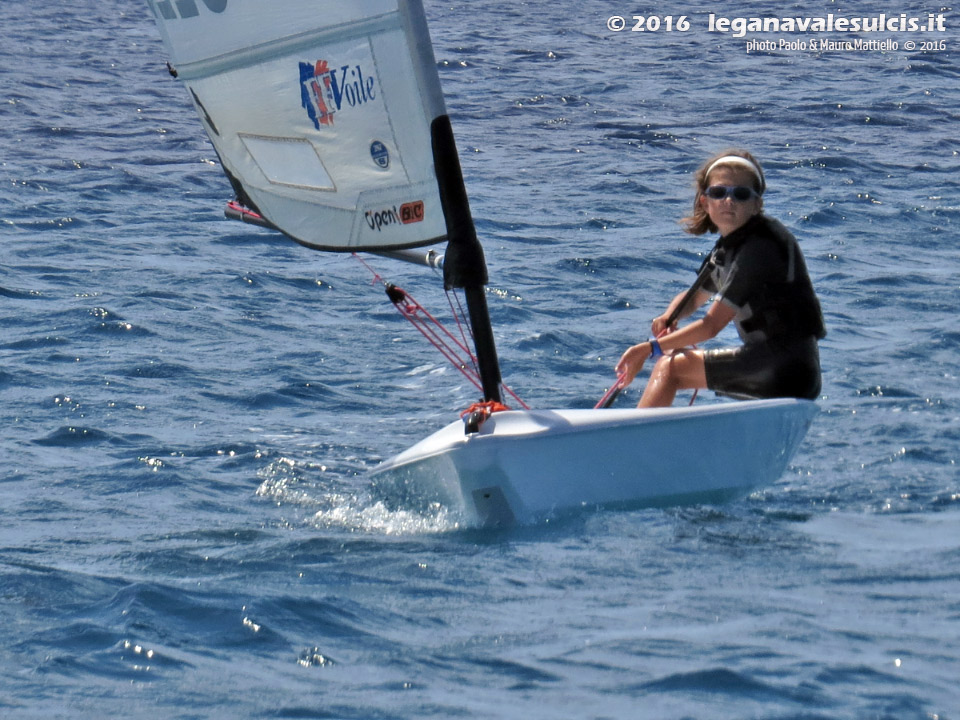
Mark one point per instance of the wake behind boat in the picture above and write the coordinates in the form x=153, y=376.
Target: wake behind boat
x=329, y=121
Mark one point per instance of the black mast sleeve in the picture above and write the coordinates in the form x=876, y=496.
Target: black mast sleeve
x=463, y=264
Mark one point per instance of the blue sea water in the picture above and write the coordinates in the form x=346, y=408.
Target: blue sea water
x=190, y=406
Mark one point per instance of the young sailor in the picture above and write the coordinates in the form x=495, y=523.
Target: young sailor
x=759, y=279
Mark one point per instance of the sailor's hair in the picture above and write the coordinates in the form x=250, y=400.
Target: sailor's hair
x=742, y=162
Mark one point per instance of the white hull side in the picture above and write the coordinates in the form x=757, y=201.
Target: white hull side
x=524, y=465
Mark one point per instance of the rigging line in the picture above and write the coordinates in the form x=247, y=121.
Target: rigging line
x=459, y=316
x=516, y=397
x=376, y=275
x=435, y=340
x=434, y=331
x=413, y=311
x=410, y=310
x=417, y=307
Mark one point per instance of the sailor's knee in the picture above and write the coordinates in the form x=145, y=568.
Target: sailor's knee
x=683, y=368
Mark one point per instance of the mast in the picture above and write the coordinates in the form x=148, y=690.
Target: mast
x=464, y=265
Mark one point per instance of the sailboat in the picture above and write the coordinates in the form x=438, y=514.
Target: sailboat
x=330, y=123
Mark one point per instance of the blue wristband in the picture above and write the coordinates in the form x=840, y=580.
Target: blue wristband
x=655, y=349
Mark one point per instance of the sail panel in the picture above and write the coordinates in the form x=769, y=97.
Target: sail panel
x=320, y=109
x=288, y=161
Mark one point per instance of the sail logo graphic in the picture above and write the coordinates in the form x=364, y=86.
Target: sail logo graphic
x=325, y=92
x=411, y=212
x=187, y=8
x=380, y=154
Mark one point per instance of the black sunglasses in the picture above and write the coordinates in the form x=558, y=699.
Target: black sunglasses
x=740, y=193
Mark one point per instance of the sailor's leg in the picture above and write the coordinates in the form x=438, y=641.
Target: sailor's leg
x=681, y=371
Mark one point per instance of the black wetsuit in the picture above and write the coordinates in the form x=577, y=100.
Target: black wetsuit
x=761, y=274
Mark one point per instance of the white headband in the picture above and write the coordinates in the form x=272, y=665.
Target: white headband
x=737, y=160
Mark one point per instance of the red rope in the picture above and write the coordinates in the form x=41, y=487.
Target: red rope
x=431, y=329
x=487, y=408
x=511, y=393
x=615, y=389
x=456, y=351
x=376, y=275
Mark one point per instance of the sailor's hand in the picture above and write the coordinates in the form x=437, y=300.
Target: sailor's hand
x=659, y=325
x=631, y=362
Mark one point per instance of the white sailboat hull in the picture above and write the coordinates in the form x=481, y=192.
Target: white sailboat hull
x=525, y=465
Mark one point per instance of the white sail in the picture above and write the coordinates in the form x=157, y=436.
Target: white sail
x=320, y=109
